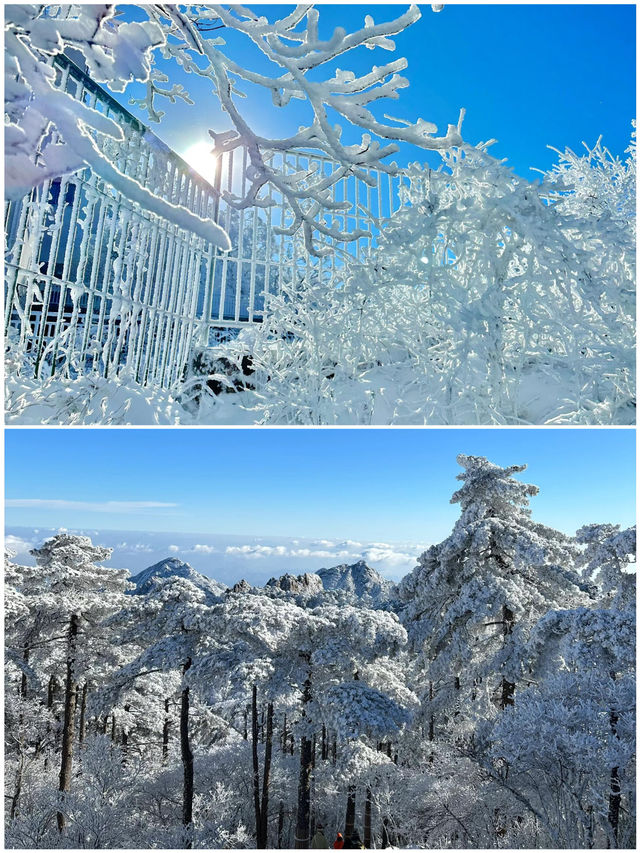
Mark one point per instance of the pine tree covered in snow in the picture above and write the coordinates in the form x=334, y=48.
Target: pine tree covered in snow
x=72, y=598
x=472, y=600
x=573, y=729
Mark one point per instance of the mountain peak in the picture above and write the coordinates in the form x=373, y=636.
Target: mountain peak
x=359, y=579
x=172, y=567
x=308, y=583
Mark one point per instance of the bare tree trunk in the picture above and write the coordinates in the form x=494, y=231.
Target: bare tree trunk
x=256, y=767
x=23, y=680
x=590, y=827
x=367, y=820
x=67, y=730
x=113, y=727
x=302, y=839
x=51, y=689
x=165, y=732
x=324, y=750
x=83, y=713
x=508, y=687
x=124, y=738
x=18, y=786
x=264, y=807
x=614, y=791
x=431, y=721
x=187, y=762
x=280, y=824
x=384, y=747
x=20, y=770
x=350, y=816
x=312, y=819
x=385, y=833
x=304, y=795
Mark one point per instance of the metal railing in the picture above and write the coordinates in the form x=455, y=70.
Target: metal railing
x=96, y=283
x=262, y=259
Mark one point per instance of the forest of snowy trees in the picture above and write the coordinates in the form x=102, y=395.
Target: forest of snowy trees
x=487, y=700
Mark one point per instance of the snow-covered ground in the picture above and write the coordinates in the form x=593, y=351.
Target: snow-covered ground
x=543, y=397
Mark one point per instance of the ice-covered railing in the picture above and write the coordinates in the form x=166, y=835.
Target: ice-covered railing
x=94, y=281
x=263, y=258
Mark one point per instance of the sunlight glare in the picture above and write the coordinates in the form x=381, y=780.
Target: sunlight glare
x=199, y=157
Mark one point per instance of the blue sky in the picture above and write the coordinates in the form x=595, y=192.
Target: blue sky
x=528, y=75
x=389, y=484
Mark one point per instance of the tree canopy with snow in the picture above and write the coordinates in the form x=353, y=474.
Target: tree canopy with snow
x=488, y=701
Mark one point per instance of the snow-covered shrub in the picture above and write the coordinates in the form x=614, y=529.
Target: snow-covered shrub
x=89, y=399
x=488, y=299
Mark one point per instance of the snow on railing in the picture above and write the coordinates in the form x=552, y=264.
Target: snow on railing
x=263, y=259
x=97, y=283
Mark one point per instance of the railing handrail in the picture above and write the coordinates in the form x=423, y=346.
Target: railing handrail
x=144, y=130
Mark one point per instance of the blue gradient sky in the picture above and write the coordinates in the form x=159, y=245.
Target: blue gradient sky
x=528, y=75
x=388, y=484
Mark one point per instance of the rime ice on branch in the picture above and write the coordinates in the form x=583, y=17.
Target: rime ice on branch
x=293, y=45
x=50, y=134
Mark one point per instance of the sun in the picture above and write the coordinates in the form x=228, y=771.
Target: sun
x=199, y=157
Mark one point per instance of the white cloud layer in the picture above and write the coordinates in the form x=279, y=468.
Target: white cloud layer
x=18, y=545
x=257, y=552
x=228, y=558
x=89, y=506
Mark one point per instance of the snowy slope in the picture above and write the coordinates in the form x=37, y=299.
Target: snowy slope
x=173, y=567
x=359, y=580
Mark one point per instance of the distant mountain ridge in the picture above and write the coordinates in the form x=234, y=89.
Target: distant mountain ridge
x=173, y=567
x=355, y=581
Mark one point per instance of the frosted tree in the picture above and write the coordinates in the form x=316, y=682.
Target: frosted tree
x=295, y=50
x=70, y=596
x=171, y=621
x=473, y=605
x=302, y=357
x=606, y=561
x=569, y=739
x=324, y=653
x=473, y=599
x=448, y=319
x=50, y=134
x=590, y=653
x=491, y=251
x=27, y=723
